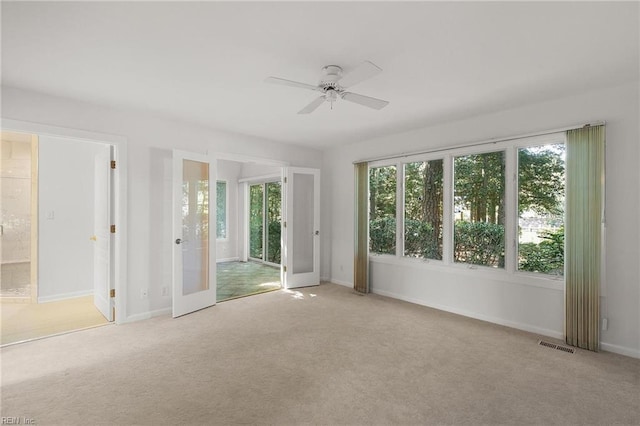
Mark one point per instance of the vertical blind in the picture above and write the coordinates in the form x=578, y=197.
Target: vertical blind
x=583, y=247
x=361, y=252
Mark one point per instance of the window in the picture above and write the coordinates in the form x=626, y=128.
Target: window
x=265, y=221
x=541, y=186
x=221, y=209
x=501, y=208
x=423, y=196
x=256, y=220
x=382, y=210
x=479, y=209
x=274, y=221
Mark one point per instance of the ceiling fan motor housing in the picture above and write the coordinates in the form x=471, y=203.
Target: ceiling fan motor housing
x=332, y=73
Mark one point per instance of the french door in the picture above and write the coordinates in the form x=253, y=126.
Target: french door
x=301, y=227
x=194, y=260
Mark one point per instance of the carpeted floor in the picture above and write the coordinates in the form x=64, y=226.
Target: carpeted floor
x=24, y=321
x=322, y=355
x=237, y=279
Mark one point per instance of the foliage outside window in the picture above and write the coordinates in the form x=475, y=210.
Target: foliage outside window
x=256, y=220
x=479, y=209
x=423, y=198
x=265, y=221
x=221, y=209
x=471, y=227
x=274, y=219
x=382, y=210
x=541, y=185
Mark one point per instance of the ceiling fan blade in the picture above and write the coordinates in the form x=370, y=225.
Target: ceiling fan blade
x=276, y=80
x=360, y=73
x=312, y=106
x=364, y=100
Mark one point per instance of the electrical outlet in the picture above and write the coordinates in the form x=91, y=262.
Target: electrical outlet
x=144, y=293
x=164, y=291
x=605, y=324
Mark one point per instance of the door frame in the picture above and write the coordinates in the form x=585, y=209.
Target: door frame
x=243, y=244
x=119, y=193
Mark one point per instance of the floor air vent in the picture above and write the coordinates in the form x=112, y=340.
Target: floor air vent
x=558, y=347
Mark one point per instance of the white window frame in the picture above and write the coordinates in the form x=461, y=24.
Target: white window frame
x=510, y=271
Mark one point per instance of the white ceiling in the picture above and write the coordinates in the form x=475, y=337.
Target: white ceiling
x=206, y=62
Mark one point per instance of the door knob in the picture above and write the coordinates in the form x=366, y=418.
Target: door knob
x=93, y=238
x=317, y=232
x=178, y=241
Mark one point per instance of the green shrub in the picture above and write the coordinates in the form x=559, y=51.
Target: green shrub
x=382, y=235
x=420, y=240
x=479, y=243
x=546, y=257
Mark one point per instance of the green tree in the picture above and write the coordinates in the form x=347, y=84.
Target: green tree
x=274, y=218
x=541, y=179
x=382, y=209
x=479, y=190
x=256, y=215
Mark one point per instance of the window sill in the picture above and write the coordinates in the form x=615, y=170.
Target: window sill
x=515, y=277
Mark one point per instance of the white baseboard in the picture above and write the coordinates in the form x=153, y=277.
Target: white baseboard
x=620, y=350
x=525, y=327
x=64, y=296
x=344, y=283
x=148, y=315
x=228, y=259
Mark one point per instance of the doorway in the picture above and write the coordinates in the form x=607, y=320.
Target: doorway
x=248, y=228
x=56, y=242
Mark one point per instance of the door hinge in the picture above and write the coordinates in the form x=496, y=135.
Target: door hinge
x=112, y=292
x=284, y=268
x=284, y=224
x=113, y=229
x=285, y=179
x=113, y=164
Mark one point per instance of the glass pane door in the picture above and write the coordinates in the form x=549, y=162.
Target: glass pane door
x=302, y=221
x=195, y=226
x=194, y=254
x=302, y=214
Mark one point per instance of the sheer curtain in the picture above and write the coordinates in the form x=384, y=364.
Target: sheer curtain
x=361, y=252
x=583, y=247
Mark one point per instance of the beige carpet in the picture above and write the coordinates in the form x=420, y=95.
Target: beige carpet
x=323, y=355
x=24, y=321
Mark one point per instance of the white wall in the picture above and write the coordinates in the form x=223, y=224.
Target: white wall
x=506, y=300
x=250, y=170
x=227, y=248
x=65, y=217
x=150, y=141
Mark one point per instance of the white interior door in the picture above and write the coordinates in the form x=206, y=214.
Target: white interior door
x=302, y=231
x=102, y=233
x=194, y=260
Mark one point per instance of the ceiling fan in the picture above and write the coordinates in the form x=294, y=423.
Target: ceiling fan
x=333, y=83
